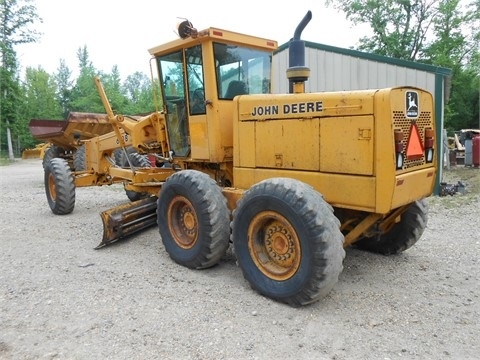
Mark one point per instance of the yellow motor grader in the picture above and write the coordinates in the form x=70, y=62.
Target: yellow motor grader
x=289, y=179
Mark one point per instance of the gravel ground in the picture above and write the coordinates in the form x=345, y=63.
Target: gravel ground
x=61, y=299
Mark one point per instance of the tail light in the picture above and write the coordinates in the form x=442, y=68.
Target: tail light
x=429, y=141
x=398, y=148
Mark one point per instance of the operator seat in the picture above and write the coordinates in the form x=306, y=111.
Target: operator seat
x=236, y=87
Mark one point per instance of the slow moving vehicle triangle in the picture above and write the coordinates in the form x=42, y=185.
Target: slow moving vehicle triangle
x=414, y=144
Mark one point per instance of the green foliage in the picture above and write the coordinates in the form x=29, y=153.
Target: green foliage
x=40, y=95
x=17, y=19
x=139, y=93
x=399, y=27
x=113, y=88
x=45, y=96
x=39, y=101
x=462, y=108
x=64, y=87
x=9, y=93
x=458, y=49
x=84, y=95
x=455, y=29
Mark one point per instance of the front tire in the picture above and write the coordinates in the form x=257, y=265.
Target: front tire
x=52, y=152
x=403, y=235
x=193, y=219
x=287, y=241
x=140, y=161
x=59, y=186
x=80, y=159
x=120, y=158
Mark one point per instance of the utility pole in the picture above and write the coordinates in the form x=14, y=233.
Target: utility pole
x=11, y=157
x=9, y=142
x=1, y=117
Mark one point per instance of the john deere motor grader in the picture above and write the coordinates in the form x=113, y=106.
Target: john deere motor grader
x=290, y=179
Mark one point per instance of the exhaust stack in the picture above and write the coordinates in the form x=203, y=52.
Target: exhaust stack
x=297, y=72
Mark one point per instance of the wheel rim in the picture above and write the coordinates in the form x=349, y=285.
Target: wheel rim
x=51, y=187
x=274, y=245
x=182, y=222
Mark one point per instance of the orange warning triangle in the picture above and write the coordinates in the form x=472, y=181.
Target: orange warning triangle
x=414, y=144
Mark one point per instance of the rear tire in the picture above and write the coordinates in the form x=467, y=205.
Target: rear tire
x=287, y=241
x=59, y=186
x=193, y=219
x=403, y=235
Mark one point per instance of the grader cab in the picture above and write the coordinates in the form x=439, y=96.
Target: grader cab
x=266, y=172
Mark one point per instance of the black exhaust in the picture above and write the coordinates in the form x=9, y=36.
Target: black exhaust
x=297, y=72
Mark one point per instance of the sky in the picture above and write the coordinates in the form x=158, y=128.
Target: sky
x=121, y=32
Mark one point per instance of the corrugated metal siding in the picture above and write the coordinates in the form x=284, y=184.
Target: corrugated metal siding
x=330, y=71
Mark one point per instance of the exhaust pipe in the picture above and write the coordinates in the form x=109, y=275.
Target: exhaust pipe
x=297, y=72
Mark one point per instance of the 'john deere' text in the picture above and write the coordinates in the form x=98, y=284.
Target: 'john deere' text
x=295, y=108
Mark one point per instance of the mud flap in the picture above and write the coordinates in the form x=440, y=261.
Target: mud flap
x=125, y=220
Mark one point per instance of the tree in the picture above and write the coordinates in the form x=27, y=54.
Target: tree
x=64, y=87
x=84, y=96
x=41, y=95
x=16, y=27
x=139, y=92
x=113, y=87
x=399, y=27
x=40, y=102
x=462, y=110
x=455, y=48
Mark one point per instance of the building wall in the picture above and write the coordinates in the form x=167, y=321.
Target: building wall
x=330, y=71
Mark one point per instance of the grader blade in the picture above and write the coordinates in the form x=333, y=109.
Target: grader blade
x=124, y=220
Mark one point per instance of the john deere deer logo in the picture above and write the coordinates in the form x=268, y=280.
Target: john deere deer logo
x=411, y=104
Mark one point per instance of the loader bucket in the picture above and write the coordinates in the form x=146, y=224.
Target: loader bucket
x=124, y=220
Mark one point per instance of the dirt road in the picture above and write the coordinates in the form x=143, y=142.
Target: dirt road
x=61, y=299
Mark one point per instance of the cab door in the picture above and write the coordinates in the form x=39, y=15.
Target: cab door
x=171, y=68
x=197, y=109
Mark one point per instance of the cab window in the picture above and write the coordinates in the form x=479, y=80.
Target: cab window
x=241, y=70
x=195, y=80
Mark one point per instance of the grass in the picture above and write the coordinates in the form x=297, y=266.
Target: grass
x=4, y=161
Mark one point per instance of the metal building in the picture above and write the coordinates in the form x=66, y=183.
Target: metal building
x=337, y=69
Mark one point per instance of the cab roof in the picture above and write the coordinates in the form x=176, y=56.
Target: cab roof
x=215, y=34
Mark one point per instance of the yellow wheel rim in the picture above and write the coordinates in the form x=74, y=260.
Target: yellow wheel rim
x=183, y=222
x=51, y=187
x=274, y=245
